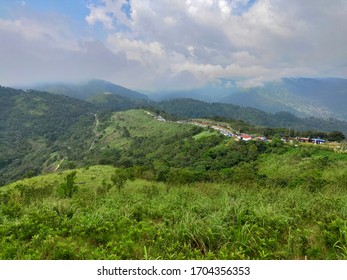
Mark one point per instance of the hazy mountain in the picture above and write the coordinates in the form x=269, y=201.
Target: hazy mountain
x=208, y=93
x=322, y=98
x=89, y=89
x=191, y=108
x=117, y=102
x=303, y=97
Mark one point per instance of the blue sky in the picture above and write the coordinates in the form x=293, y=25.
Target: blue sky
x=171, y=44
x=73, y=8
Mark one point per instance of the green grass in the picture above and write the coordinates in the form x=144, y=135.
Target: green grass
x=206, y=133
x=285, y=203
x=297, y=161
x=138, y=124
x=151, y=220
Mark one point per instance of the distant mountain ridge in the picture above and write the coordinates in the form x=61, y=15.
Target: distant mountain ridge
x=191, y=108
x=89, y=89
x=299, y=103
x=303, y=97
x=322, y=98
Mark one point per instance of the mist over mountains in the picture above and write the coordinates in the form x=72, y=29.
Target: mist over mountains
x=303, y=97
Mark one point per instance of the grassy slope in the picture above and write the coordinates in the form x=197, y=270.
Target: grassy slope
x=151, y=220
x=297, y=209
x=138, y=124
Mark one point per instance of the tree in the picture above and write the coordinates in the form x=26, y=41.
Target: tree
x=69, y=187
x=120, y=176
x=336, y=136
x=126, y=132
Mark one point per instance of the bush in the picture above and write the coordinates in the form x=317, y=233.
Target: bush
x=69, y=187
x=120, y=176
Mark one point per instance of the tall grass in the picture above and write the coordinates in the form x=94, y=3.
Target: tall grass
x=151, y=220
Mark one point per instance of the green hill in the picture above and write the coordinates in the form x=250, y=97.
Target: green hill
x=38, y=130
x=89, y=89
x=42, y=132
x=191, y=108
x=299, y=104
x=117, y=102
x=283, y=205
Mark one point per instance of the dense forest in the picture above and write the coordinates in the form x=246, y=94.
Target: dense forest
x=38, y=129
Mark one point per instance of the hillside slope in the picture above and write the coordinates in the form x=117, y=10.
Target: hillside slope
x=39, y=129
x=42, y=132
x=191, y=108
x=321, y=98
x=284, y=205
x=303, y=97
x=117, y=102
x=89, y=89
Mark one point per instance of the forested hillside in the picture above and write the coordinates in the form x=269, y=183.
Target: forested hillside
x=191, y=108
x=38, y=130
x=117, y=102
x=322, y=98
x=89, y=89
x=233, y=200
x=42, y=132
x=299, y=104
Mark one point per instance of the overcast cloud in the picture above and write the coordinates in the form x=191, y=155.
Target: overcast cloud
x=156, y=44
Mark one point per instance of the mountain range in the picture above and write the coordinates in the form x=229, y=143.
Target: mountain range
x=295, y=103
x=39, y=129
x=303, y=97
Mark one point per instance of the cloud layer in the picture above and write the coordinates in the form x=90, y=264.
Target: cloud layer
x=158, y=44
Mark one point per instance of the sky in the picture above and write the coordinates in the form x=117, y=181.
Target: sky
x=171, y=44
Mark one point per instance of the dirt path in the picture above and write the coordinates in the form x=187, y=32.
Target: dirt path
x=55, y=169
x=95, y=131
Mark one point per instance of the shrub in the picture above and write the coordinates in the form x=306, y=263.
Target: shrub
x=69, y=187
x=120, y=176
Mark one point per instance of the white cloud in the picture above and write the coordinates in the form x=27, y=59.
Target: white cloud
x=136, y=49
x=100, y=14
x=164, y=43
x=170, y=21
x=225, y=8
x=51, y=33
x=109, y=13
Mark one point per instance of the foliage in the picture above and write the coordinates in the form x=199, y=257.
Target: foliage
x=38, y=130
x=120, y=176
x=69, y=187
x=199, y=221
x=288, y=205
